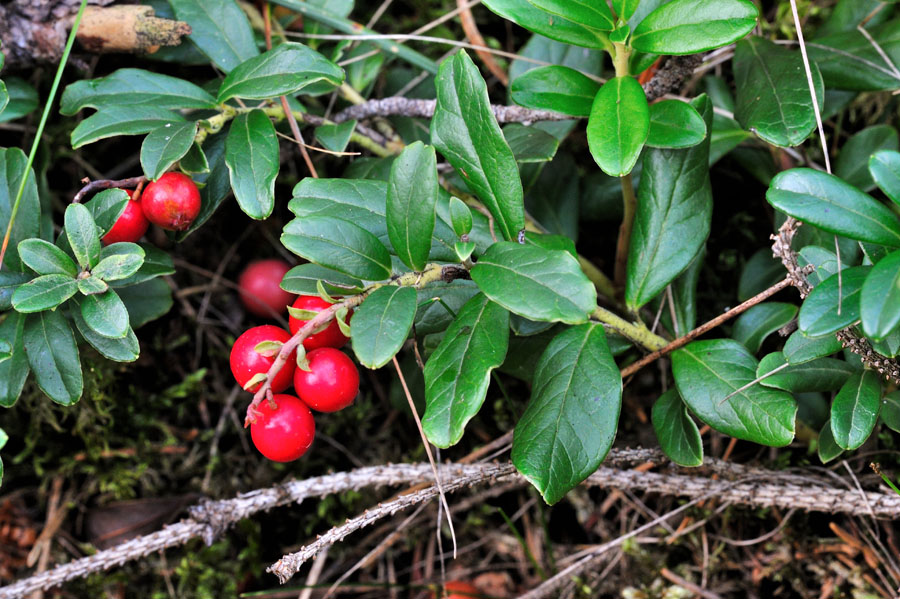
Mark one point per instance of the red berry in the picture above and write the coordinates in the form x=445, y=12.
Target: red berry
x=457, y=589
x=246, y=361
x=260, y=286
x=171, y=202
x=285, y=432
x=332, y=382
x=131, y=225
x=330, y=337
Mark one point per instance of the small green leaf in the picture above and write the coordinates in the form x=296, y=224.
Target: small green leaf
x=194, y=162
x=119, y=261
x=43, y=293
x=760, y=321
x=460, y=216
x=268, y=348
x=146, y=301
x=831, y=204
x=156, y=263
x=530, y=144
x=125, y=349
x=282, y=71
x=594, y=15
x=853, y=161
x=9, y=281
x=822, y=374
x=677, y=432
x=335, y=137
x=618, y=125
x=14, y=371
x=820, y=313
x=82, y=234
x=458, y=372
x=27, y=223
x=320, y=289
x=23, y=99
x=106, y=207
x=800, y=348
x=884, y=166
x=675, y=124
x=164, y=146
x=251, y=153
x=527, y=15
x=706, y=372
x=466, y=132
x=536, y=283
x=382, y=323
x=53, y=356
x=340, y=317
x=773, y=97
x=464, y=250
x=879, y=301
x=625, y=8
x=44, y=258
x=691, y=26
x=570, y=422
x=116, y=120
x=302, y=281
x=134, y=86
x=890, y=411
x=411, y=199
x=219, y=28
x=558, y=88
x=255, y=381
x=106, y=314
x=92, y=286
x=338, y=244
x=854, y=412
x=849, y=60
x=301, y=314
x=828, y=449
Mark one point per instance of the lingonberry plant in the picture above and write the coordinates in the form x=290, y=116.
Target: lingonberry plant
x=561, y=241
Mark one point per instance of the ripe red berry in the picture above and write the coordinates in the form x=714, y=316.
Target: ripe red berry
x=260, y=288
x=332, y=382
x=285, y=432
x=131, y=224
x=330, y=337
x=246, y=361
x=171, y=202
x=457, y=589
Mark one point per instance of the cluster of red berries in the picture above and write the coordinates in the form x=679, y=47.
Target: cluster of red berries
x=171, y=202
x=284, y=428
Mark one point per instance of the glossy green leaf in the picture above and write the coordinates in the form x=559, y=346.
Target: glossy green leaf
x=251, y=153
x=381, y=325
x=773, y=97
x=800, y=348
x=827, y=448
x=4, y=96
x=460, y=217
x=852, y=164
x=890, y=411
x=146, y=301
x=527, y=15
x=440, y=302
x=216, y=184
x=194, y=162
x=106, y=314
x=411, y=198
x=82, y=234
x=44, y=258
x=530, y=144
x=854, y=411
x=284, y=70
x=558, y=88
x=13, y=371
x=134, y=86
x=594, y=15
x=124, y=349
x=675, y=124
x=831, y=204
x=819, y=314
x=92, y=285
x=884, y=167
x=673, y=216
x=758, y=322
x=458, y=372
x=115, y=120
x=156, y=263
x=848, y=60
x=106, y=207
x=880, y=298
x=618, y=125
x=823, y=374
x=53, y=356
x=23, y=99
x=28, y=219
x=691, y=26
x=570, y=422
x=536, y=283
x=43, y=293
x=338, y=244
x=119, y=261
x=824, y=263
x=466, y=132
x=335, y=137
x=164, y=146
x=219, y=28
x=303, y=280
x=625, y=9
x=889, y=346
x=676, y=431
x=9, y=281
x=708, y=371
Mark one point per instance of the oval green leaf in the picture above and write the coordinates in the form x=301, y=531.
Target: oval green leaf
x=691, y=26
x=411, y=198
x=105, y=314
x=382, y=323
x=13, y=371
x=251, y=153
x=618, y=125
x=115, y=120
x=125, y=349
x=675, y=124
x=854, y=411
x=219, y=28
x=338, y=244
x=823, y=374
x=558, y=88
x=676, y=431
x=800, y=348
x=760, y=321
x=884, y=166
x=43, y=293
x=879, y=303
x=853, y=161
x=134, y=86
x=53, y=356
x=164, y=146
x=820, y=313
x=44, y=258
x=591, y=14
x=525, y=14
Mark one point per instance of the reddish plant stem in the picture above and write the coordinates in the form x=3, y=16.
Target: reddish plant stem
x=703, y=328
x=101, y=184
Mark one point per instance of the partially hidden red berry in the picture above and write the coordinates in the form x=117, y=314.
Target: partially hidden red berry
x=171, y=202
x=260, y=288
x=457, y=589
x=331, y=383
x=285, y=432
x=131, y=224
x=330, y=337
x=246, y=361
